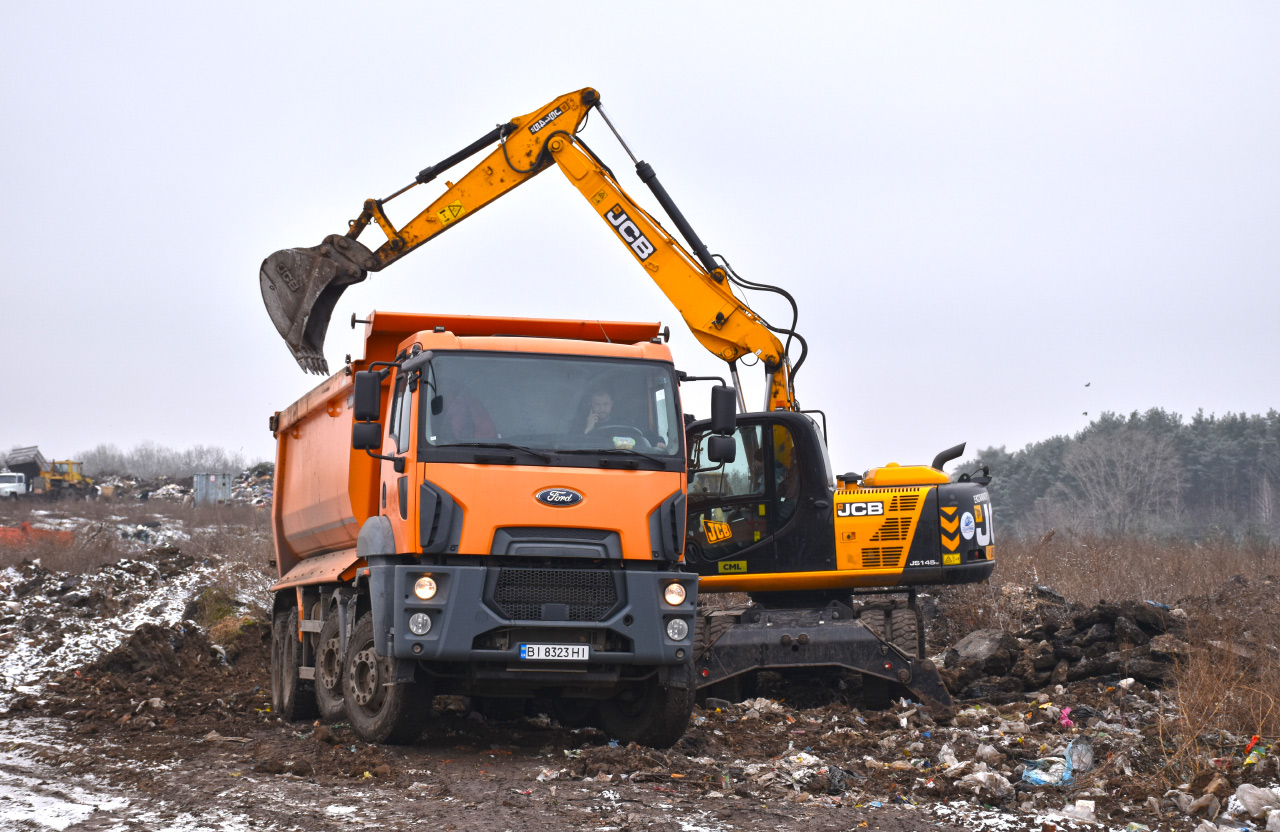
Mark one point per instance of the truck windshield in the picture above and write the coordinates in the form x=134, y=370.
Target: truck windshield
x=571, y=405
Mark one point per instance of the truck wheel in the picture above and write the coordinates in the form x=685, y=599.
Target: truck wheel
x=875, y=622
x=379, y=712
x=904, y=631
x=292, y=699
x=707, y=631
x=648, y=713
x=329, y=671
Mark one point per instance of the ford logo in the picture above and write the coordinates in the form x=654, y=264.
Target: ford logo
x=558, y=497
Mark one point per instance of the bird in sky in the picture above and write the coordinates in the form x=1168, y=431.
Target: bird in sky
x=1087, y=383
x=1086, y=413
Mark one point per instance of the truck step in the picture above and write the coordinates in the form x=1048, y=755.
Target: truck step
x=310, y=625
x=306, y=673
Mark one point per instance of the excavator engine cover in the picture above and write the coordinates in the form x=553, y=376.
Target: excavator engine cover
x=301, y=286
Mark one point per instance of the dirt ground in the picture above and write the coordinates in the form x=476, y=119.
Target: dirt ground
x=209, y=754
x=118, y=712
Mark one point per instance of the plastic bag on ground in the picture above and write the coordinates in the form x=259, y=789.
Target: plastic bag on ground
x=1256, y=801
x=1085, y=810
x=1059, y=771
x=988, y=780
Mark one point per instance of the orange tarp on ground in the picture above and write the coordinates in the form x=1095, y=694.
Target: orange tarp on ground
x=26, y=533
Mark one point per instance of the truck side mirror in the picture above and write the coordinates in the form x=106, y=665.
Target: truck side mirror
x=366, y=436
x=722, y=449
x=367, y=401
x=724, y=409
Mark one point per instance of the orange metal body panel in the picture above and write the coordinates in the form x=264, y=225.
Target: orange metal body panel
x=494, y=496
x=324, y=490
x=321, y=569
x=400, y=325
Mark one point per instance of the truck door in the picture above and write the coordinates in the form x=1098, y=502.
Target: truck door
x=397, y=494
x=767, y=511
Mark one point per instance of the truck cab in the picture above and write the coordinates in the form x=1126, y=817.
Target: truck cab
x=12, y=485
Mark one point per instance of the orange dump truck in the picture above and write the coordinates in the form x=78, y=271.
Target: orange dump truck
x=491, y=507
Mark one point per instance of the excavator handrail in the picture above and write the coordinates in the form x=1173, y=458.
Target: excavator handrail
x=301, y=286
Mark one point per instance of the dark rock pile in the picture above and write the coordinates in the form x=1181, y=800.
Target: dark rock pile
x=1129, y=639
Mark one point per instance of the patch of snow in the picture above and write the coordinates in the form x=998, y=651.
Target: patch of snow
x=24, y=664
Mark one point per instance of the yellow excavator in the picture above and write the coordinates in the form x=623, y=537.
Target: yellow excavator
x=821, y=556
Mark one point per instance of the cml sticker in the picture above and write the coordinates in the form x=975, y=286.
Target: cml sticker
x=967, y=527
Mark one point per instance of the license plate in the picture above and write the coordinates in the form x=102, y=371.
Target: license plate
x=556, y=652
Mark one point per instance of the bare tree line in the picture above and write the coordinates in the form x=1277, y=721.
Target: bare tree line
x=149, y=461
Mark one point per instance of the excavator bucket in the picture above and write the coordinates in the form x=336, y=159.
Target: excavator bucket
x=301, y=286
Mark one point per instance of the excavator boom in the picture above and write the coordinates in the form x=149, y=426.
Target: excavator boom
x=301, y=286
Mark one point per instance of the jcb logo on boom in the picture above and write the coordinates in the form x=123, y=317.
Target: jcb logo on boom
x=859, y=509
x=629, y=232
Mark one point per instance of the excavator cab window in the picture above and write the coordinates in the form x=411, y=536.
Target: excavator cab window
x=743, y=506
x=727, y=511
x=786, y=475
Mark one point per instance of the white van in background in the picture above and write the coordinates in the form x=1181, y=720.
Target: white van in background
x=12, y=486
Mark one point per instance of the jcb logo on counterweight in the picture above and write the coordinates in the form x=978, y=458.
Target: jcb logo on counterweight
x=859, y=509
x=629, y=232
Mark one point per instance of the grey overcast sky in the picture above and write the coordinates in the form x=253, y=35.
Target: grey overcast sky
x=979, y=207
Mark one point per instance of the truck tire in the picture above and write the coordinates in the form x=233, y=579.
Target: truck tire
x=329, y=661
x=292, y=699
x=875, y=622
x=649, y=713
x=707, y=631
x=380, y=713
x=904, y=631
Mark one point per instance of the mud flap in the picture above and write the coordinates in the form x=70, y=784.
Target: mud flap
x=301, y=286
x=782, y=639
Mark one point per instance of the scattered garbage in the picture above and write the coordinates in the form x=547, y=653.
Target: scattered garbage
x=1255, y=801
x=1060, y=771
x=1085, y=810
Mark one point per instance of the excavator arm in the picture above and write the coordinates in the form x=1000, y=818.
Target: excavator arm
x=302, y=286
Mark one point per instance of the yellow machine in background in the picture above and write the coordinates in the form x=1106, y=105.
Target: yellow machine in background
x=56, y=478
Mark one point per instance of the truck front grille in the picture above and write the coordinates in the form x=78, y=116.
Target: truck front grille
x=555, y=594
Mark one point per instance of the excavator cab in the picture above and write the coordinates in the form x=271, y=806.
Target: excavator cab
x=765, y=511
x=776, y=520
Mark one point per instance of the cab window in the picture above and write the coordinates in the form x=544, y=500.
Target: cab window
x=786, y=475
x=398, y=417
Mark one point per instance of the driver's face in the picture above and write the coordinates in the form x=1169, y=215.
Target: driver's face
x=601, y=407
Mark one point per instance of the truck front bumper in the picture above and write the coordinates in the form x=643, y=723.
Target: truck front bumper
x=481, y=615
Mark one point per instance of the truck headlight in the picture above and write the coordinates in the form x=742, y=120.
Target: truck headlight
x=677, y=629
x=425, y=588
x=674, y=594
x=419, y=623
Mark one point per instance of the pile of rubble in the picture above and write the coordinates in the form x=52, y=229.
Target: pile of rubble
x=254, y=486
x=251, y=487
x=1135, y=639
